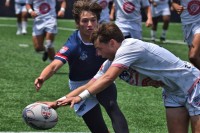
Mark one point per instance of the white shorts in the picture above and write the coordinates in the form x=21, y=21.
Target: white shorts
x=19, y=8
x=191, y=101
x=86, y=105
x=160, y=10
x=189, y=31
x=134, y=30
x=44, y=25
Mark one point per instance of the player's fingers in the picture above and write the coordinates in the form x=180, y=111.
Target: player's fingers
x=72, y=104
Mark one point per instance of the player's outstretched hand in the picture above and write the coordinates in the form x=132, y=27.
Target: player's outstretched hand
x=69, y=100
x=178, y=8
x=38, y=83
x=50, y=104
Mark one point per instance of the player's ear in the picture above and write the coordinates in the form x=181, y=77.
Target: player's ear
x=112, y=42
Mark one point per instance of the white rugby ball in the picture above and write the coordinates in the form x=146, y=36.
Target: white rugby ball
x=40, y=116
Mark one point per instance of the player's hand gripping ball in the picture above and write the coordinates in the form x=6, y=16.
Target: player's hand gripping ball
x=40, y=116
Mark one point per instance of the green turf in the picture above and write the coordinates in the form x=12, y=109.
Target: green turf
x=20, y=65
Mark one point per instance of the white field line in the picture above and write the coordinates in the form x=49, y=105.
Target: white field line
x=168, y=41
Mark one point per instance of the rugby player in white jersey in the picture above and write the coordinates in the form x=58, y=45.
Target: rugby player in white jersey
x=189, y=11
x=160, y=8
x=45, y=25
x=143, y=63
x=128, y=16
x=84, y=63
x=104, y=17
x=21, y=13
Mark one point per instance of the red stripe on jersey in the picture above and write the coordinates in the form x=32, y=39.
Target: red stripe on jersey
x=120, y=66
x=62, y=56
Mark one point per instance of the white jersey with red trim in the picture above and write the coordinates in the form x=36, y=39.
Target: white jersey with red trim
x=129, y=10
x=158, y=64
x=105, y=10
x=132, y=77
x=44, y=8
x=191, y=12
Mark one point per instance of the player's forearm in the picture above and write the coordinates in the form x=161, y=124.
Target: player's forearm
x=64, y=4
x=105, y=80
x=51, y=69
x=47, y=73
x=148, y=12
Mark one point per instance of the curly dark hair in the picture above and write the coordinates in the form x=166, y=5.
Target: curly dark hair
x=85, y=5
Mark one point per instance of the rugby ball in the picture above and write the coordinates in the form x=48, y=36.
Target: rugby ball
x=40, y=116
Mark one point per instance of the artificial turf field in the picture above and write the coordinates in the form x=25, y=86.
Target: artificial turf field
x=20, y=65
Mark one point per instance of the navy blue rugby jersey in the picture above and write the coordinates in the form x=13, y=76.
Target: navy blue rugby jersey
x=82, y=59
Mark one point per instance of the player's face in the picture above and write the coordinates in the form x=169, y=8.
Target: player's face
x=105, y=50
x=88, y=22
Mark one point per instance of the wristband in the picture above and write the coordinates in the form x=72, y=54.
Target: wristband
x=62, y=9
x=84, y=95
x=62, y=98
x=30, y=10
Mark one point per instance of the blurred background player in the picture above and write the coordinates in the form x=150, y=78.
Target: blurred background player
x=128, y=16
x=84, y=63
x=160, y=8
x=22, y=15
x=105, y=16
x=45, y=24
x=189, y=11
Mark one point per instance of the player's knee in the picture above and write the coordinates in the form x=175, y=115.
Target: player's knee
x=49, y=44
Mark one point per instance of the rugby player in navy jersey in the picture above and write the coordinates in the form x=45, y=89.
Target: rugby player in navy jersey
x=84, y=63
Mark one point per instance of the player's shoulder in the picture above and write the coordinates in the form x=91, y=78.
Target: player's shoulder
x=73, y=40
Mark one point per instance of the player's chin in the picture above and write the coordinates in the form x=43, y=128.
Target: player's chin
x=90, y=31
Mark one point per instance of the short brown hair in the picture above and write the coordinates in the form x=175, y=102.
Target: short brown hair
x=107, y=31
x=85, y=5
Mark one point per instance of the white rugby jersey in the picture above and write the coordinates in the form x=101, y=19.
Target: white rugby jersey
x=20, y=1
x=161, y=1
x=44, y=8
x=129, y=10
x=132, y=77
x=155, y=62
x=105, y=10
x=191, y=13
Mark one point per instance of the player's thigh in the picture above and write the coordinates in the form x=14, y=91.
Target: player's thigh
x=50, y=36
x=38, y=40
x=195, y=47
x=108, y=96
x=195, y=123
x=177, y=120
x=166, y=18
x=196, y=40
